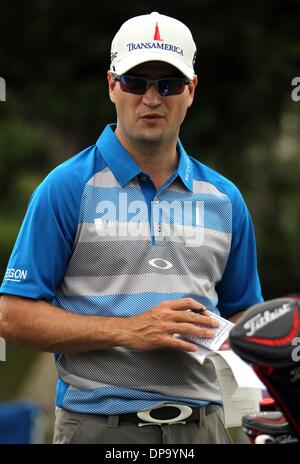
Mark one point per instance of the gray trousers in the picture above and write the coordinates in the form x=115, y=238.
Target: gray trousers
x=71, y=427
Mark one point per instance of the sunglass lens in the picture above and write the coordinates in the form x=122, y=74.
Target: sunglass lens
x=133, y=85
x=171, y=86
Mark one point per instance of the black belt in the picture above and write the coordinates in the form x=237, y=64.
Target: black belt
x=168, y=414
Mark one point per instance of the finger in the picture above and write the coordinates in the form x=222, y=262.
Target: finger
x=225, y=345
x=179, y=344
x=192, y=329
x=209, y=321
x=195, y=318
x=203, y=312
x=183, y=304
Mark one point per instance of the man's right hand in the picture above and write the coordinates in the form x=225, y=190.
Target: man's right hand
x=156, y=328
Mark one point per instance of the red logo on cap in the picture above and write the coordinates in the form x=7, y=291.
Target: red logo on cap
x=157, y=33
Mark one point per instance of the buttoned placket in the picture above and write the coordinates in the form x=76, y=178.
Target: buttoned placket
x=152, y=198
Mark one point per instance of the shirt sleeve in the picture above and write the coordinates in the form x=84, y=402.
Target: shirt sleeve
x=240, y=287
x=45, y=240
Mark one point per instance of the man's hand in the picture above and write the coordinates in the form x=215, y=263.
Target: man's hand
x=225, y=345
x=157, y=328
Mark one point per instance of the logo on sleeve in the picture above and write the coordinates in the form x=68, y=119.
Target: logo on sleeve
x=15, y=275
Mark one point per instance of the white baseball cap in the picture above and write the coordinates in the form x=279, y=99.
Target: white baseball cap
x=153, y=37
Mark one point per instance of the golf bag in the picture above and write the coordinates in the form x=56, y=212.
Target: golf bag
x=268, y=337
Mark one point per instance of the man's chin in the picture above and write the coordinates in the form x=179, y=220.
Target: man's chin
x=151, y=136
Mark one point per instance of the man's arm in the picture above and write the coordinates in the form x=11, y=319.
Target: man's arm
x=44, y=327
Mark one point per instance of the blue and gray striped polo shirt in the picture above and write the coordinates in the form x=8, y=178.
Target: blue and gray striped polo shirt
x=99, y=239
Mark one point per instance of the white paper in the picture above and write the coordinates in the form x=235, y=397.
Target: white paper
x=237, y=401
x=240, y=386
x=243, y=373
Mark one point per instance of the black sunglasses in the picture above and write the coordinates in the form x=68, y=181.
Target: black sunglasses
x=139, y=85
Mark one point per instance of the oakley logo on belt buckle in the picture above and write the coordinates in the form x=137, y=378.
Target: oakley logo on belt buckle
x=183, y=413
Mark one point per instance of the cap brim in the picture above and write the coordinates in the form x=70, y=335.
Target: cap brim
x=130, y=62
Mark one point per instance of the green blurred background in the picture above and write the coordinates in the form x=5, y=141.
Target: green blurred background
x=54, y=57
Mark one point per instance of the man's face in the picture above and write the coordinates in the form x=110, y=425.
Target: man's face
x=150, y=118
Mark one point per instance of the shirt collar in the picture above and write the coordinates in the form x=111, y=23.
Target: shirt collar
x=185, y=167
x=117, y=158
x=123, y=165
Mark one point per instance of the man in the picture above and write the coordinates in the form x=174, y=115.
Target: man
x=121, y=248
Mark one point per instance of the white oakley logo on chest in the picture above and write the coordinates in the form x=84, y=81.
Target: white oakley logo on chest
x=160, y=263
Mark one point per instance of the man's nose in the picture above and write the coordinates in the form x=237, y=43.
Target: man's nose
x=152, y=97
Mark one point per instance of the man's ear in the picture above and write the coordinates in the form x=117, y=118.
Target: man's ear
x=191, y=87
x=111, y=86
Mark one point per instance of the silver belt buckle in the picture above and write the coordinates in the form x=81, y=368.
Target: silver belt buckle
x=184, y=413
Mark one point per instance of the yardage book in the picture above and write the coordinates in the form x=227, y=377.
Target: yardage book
x=221, y=334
